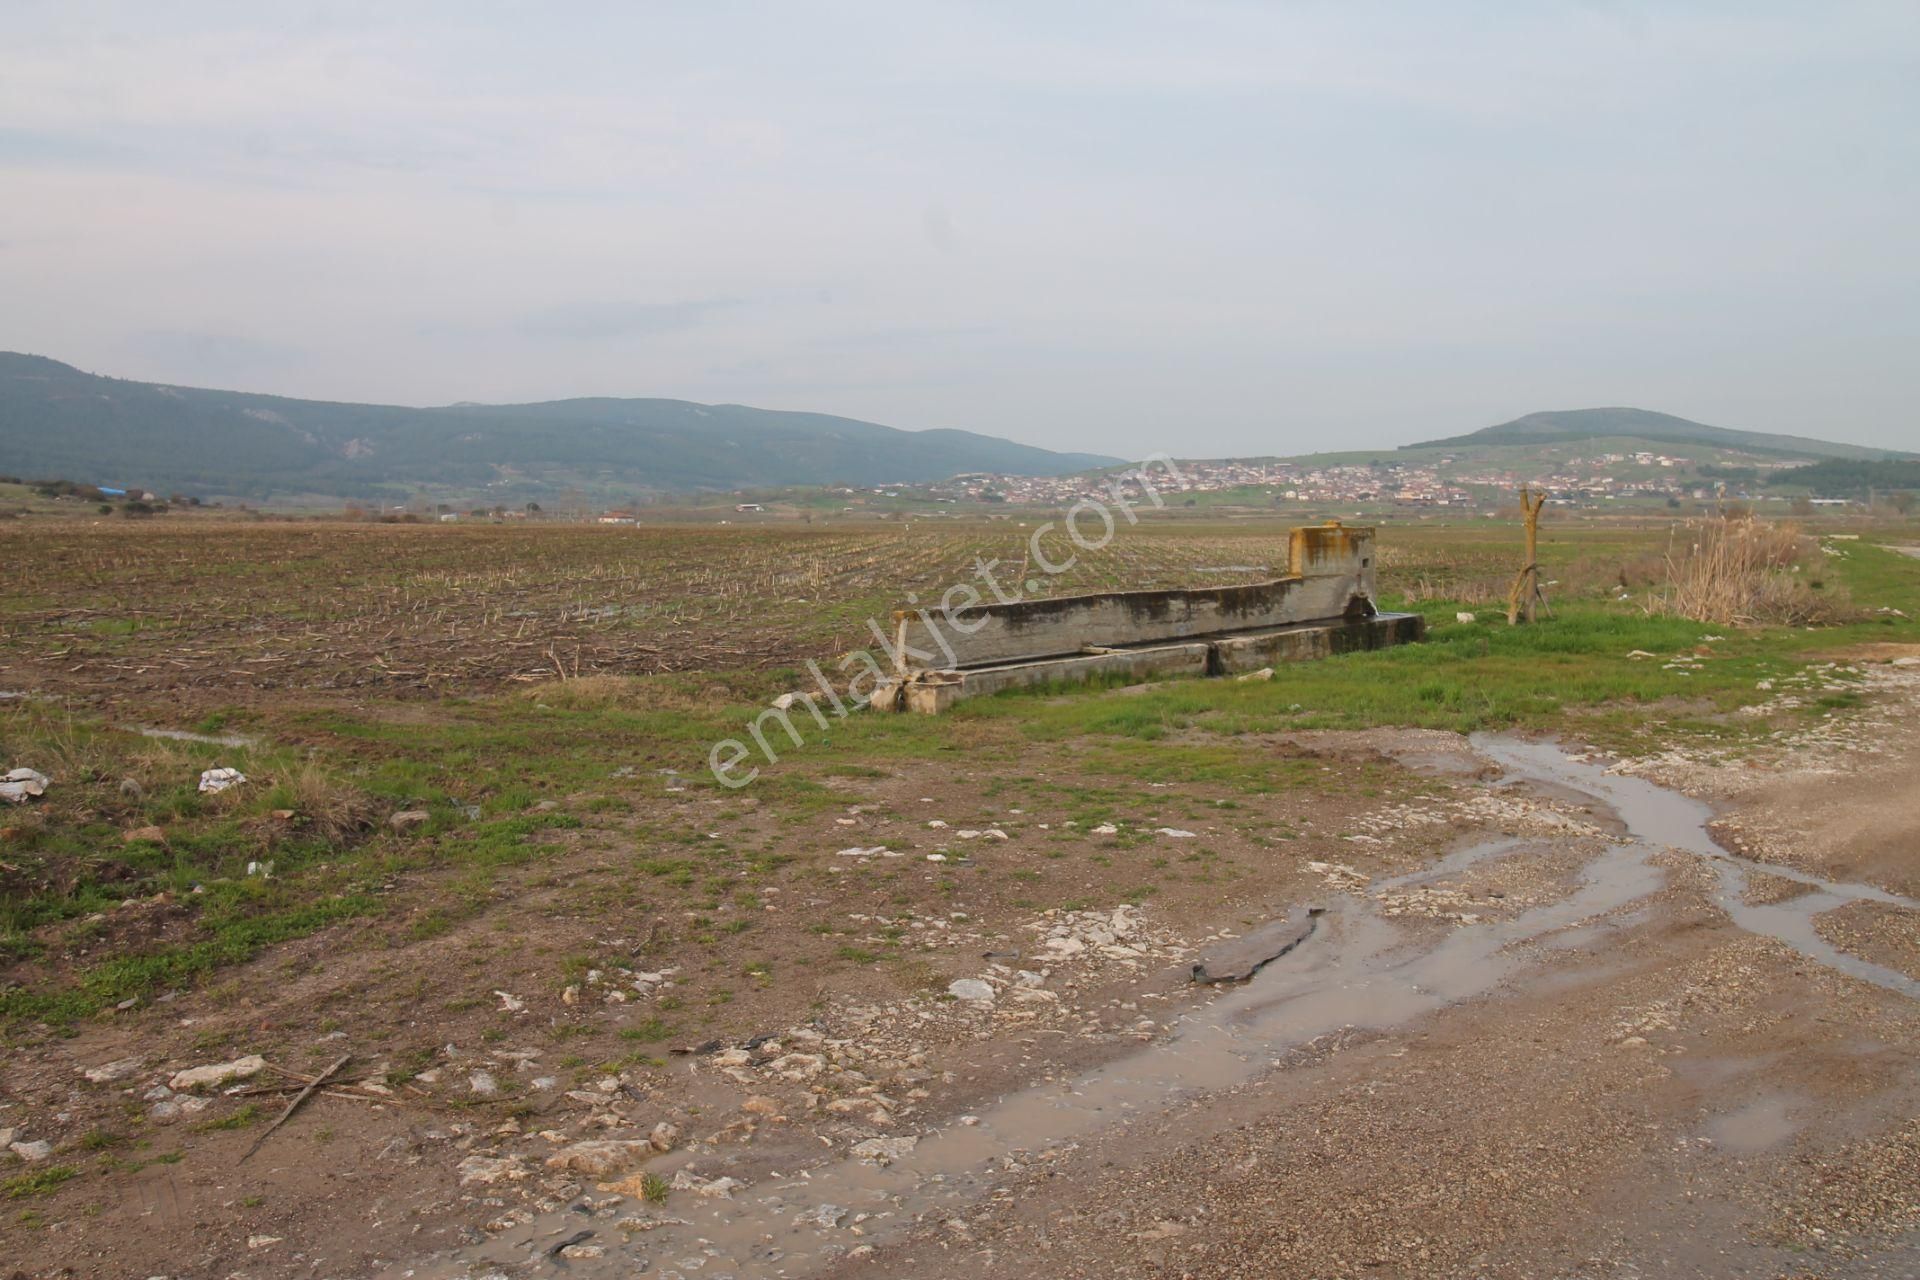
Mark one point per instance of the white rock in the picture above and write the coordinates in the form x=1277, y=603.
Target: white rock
x=1106, y=829
x=1264, y=673
x=31, y=1152
x=970, y=989
x=1173, y=833
x=483, y=1084
x=219, y=1072
x=485, y=1171
x=213, y=781
x=1463, y=617
x=112, y=1071
x=824, y=1216
x=883, y=1151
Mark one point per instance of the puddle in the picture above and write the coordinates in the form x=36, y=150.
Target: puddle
x=1359, y=970
x=183, y=735
x=1667, y=818
x=1758, y=1126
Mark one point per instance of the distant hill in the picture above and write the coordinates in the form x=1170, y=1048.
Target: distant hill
x=56, y=421
x=1569, y=426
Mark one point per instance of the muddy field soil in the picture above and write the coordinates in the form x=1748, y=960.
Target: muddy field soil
x=1525, y=1016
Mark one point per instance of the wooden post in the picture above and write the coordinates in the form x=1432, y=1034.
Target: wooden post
x=1525, y=591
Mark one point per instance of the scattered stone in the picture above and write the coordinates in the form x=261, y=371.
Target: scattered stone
x=214, y=781
x=761, y=1105
x=219, y=1073
x=487, y=1171
x=1463, y=617
x=483, y=1084
x=112, y=1071
x=663, y=1137
x=31, y=1152
x=23, y=784
x=145, y=835
x=1173, y=833
x=409, y=820
x=825, y=1217
x=510, y=1003
x=712, y=1188
x=970, y=989
x=602, y=1158
x=883, y=1151
x=1264, y=673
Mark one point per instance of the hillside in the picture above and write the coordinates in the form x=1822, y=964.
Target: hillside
x=56, y=420
x=1569, y=426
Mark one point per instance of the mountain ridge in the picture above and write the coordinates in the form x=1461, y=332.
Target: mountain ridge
x=1566, y=426
x=57, y=420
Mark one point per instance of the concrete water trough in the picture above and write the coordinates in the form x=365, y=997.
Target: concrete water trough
x=1324, y=606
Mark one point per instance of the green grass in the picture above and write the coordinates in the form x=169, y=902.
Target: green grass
x=40, y=1182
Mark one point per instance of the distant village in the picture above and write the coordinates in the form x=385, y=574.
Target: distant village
x=1440, y=483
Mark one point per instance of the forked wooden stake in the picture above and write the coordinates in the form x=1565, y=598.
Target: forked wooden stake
x=1525, y=591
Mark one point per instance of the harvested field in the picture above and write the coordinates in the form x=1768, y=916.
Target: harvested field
x=228, y=612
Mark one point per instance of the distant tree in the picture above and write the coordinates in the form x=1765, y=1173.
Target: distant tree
x=106, y=508
x=1902, y=502
x=533, y=508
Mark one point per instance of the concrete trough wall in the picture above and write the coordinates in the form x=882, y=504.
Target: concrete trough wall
x=931, y=692
x=1331, y=575
x=1323, y=607
x=1237, y=655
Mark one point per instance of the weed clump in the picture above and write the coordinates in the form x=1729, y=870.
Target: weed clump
x=1737, y=571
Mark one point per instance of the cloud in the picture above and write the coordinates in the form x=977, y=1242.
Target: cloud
x=599, y=320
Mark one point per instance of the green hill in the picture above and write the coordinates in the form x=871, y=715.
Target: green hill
x=1569, y=426
x=57, y=421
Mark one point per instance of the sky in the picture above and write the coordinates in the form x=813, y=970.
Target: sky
x=1200, y=228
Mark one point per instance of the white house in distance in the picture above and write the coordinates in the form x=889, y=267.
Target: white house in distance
x=618, y=517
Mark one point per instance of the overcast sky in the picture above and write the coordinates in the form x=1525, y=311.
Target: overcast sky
x=1203, y=228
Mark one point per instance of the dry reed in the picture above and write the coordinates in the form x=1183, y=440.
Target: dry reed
x=1738, y=571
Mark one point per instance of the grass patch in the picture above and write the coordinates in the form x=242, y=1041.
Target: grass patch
x=40, y=1182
